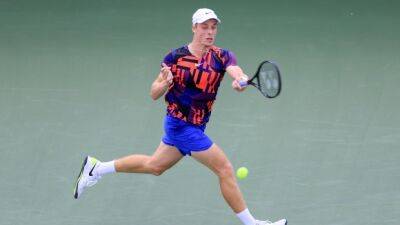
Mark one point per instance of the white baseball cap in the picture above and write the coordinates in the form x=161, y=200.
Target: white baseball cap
x=204, y=14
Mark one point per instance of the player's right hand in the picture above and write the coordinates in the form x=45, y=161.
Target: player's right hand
x=236, y=83
x=166, y=74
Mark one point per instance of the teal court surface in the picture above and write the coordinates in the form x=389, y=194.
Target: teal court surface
x=75, y=79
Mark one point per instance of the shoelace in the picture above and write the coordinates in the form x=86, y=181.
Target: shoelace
x=92, y=180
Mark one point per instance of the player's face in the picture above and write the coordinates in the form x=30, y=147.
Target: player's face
x=205, y=32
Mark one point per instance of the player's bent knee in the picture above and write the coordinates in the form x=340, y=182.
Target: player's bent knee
x=155, y=169
x=152, y=167
x=225, y=170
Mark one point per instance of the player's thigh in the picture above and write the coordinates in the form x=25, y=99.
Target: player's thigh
x=165, y=156
x=215, y=159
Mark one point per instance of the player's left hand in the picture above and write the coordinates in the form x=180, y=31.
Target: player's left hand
x=167, y=74
x=236, y=83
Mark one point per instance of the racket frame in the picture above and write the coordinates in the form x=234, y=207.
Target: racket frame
x=256, y=76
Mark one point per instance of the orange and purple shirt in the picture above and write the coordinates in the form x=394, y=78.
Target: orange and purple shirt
x=196, y=80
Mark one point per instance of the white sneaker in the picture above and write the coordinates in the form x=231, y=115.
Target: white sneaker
x=86, y=177
x=267, y=222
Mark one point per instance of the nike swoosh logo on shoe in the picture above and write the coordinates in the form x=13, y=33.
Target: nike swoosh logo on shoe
x=91, y=171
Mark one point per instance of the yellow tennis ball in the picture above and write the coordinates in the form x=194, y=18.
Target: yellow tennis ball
x=242, y=172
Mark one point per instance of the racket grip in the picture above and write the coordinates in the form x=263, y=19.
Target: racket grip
x=243, y=83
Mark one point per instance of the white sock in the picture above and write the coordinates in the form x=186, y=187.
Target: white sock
x=105, y=168
x=246, y=217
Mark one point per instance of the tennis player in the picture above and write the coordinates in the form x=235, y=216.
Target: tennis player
x=189, y=78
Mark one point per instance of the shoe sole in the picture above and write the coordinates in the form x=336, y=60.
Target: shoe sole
x=79, y=178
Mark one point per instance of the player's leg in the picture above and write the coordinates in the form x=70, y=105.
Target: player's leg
x=215, y=159
x=92, y=170
x=163, y=158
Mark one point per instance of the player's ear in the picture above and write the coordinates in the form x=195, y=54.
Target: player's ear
x=194, y=27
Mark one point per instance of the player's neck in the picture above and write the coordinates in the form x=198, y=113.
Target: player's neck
x=198, y=49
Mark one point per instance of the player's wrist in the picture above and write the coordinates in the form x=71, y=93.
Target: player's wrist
x=243, y=77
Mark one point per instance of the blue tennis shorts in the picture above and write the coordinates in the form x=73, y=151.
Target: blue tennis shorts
x=186, y=137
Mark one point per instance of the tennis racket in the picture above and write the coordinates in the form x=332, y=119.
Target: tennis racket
x=267, y=79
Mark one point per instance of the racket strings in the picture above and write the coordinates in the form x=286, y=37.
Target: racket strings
x=268, y=81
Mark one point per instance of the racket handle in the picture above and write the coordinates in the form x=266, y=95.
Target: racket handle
x=243, y=83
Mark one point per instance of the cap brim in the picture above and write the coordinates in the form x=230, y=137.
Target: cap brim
x=204, y=20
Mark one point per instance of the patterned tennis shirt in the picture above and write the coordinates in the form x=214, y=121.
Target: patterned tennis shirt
x=196, y=81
